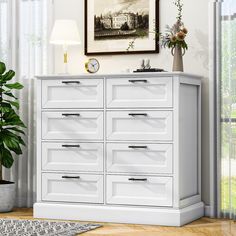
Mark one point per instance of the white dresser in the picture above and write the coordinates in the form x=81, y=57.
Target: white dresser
x=119, y=148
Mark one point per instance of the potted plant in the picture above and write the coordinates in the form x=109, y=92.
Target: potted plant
x=10, y=134
x=174, y=39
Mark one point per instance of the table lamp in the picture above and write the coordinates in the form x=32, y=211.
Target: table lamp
x=65, y=33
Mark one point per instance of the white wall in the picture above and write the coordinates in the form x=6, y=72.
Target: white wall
x=195, y=17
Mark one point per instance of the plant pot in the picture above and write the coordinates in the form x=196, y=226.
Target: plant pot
x=178, y=59
x=7, y=195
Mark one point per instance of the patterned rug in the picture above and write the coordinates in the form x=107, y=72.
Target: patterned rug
x=11, y=227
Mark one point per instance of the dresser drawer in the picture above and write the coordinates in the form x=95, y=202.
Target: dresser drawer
x=76, y=93
x=141, y=190
x=139, y=158
x=135, y=92
x=139, y=125
x=72, y=125
x=72, y=156
x=72, y=188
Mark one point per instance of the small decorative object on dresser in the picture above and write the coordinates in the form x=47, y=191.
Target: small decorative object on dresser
x=175, y=39
x=122, y=148
x=145, y=67
x=92, y=65
x=147, y=64
x=10, y=134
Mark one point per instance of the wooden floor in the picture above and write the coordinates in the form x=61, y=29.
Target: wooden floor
x=202, y=227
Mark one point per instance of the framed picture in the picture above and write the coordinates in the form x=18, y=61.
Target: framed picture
x=111, y=25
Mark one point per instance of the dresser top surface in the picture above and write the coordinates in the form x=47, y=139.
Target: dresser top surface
x=120, y=75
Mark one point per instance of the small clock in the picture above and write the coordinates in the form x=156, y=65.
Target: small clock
x=92, y=65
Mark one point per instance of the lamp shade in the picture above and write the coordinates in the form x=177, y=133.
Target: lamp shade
x=65, y=32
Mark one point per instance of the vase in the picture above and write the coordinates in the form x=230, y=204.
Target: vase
x=178, y=58
x=7, y=195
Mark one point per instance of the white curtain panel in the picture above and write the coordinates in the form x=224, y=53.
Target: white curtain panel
x=27, y=53
x=3, y=30
x=227, y=179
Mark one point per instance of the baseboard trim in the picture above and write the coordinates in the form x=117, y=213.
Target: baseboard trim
x=207, y=211
x=117, y=214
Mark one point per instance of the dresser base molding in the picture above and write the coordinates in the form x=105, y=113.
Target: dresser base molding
x=113, y=214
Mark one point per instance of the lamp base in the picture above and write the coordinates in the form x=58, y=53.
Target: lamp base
x=65, y=59
x=65, y=71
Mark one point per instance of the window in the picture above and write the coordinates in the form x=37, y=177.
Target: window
x=228, y=109
x=33, y=37
x=24, y=30
x=4, y=22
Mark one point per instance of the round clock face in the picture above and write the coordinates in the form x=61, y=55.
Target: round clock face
x=92, y=66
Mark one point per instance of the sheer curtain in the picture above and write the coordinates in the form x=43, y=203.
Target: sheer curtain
x=24, y=46
x=227, y=178
x=4, y=23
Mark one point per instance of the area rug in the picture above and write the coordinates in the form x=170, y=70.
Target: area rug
x=12, y=227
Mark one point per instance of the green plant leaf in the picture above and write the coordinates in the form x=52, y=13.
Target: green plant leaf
x=16, y=130
x=8, y=76
x=14, y=86
x=15, y=123
x=10, y=116
x=12, y=141
x=9, y=94
x=2, y=68
x=10, y=123
x=6, y=158
x=2, y=123
x=12, y=119
x=15, y=104
x=4, y=109
x=4, y=104
x=21, y=141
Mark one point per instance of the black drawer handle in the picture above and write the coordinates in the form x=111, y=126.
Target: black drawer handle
x=70, y=114
x=70, y=146
x=138, y=81
x=138, y=147
x=138, y=180
x=70, y=177
x=71, y=82
x=138, y=114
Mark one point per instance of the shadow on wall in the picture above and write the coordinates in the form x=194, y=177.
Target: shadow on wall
x=202, y=53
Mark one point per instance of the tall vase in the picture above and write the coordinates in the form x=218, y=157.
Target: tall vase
x=178, y=58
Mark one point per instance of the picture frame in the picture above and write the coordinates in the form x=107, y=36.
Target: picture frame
x=109, y=29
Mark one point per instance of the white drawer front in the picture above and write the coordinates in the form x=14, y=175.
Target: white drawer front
x=139, y=158
x=84, y=93
x=72, y=125
x=72, y=188
x=72, y=156
x=141, y=190
x=139, y=125
x=135, y=92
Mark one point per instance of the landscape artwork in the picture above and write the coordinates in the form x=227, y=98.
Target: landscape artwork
x=121, y=19
x=110, y=26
